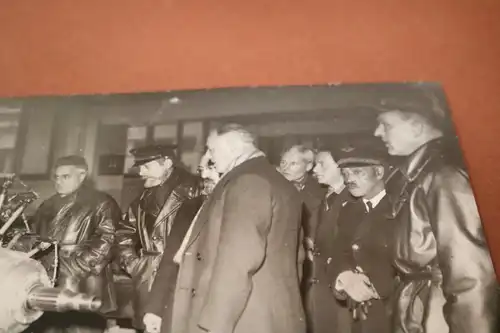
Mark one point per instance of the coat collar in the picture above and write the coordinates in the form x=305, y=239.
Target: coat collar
x=419, y=159
x=216, y=194
x=399, y=182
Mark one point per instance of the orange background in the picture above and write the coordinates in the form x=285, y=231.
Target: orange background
x=68, y=47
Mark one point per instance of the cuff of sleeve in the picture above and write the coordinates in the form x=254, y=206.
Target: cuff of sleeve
x=80, y=267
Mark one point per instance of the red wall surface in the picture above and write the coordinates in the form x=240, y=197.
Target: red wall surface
x=67, y=47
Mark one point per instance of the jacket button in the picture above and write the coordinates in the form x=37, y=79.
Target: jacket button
x=193, y=292
x=355, y=247
x=198, y=256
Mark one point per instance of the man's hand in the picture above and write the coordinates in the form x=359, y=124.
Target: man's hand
x=152, y=323
x=137, y=266
x=357, y=286
x=361, y=289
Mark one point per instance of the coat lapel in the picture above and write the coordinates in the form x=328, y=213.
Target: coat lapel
x=58, y=225
x=169, y=206
x=217, y=195
x=202, y=217
x=141, y=227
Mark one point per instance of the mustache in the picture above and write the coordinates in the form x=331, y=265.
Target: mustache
x=351, y=185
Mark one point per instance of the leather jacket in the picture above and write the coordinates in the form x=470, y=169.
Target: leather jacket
x=84, y=225
x=446, y=280
x=145, y=229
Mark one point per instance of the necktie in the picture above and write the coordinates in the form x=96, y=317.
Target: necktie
x=329, y=201
x=369, y=206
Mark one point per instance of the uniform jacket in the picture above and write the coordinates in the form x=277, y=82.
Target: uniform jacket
x=239, y=271
x=84, y=224
x=441, y=255
x=312, y=196
x=323, y=310
x=141, y=241
x=366, y=240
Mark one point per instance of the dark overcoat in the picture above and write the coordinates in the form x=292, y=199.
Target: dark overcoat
x=325, y=314
x=239, y=272
x=366, y=240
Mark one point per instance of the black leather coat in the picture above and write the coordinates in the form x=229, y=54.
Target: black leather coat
x=145, y=230
x=446, y=278
x=84, y=224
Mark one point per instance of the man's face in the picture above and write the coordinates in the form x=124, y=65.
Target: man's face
x=220, y=152
x=397, y=133
x=207, y=171
x=362, y=181
x=293, y=166
x=67, y=179
x=152, y=172
x=326, y=169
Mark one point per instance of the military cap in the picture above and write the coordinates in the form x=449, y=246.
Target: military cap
x=145, y=154
x=361, y=154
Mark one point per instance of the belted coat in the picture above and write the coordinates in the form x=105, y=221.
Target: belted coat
x=446, y=278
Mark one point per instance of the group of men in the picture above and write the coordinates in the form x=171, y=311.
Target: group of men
x=335, y=240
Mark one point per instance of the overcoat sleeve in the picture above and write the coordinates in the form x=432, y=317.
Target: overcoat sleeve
x=469, y=283
x=127, y=239
x=163, y=288
x=301, y=254
x=241, y=251
x=96, y=253
x=342, y=259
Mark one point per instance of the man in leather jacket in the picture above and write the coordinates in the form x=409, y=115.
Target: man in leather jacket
x=446, y=280
x=159, y=308
x=83, y=222
x=148, y=225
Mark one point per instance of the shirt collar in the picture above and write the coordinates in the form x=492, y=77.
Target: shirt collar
x=337, y=188
x=376, y=199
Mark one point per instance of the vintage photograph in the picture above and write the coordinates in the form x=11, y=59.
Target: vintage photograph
x=341, y=208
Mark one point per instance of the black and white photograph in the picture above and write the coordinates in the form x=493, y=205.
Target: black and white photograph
x=336, y=208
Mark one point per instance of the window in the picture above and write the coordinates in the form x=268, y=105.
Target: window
x=136, y=137
x=192, y=144
x=9, y=124
x=165, y=134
